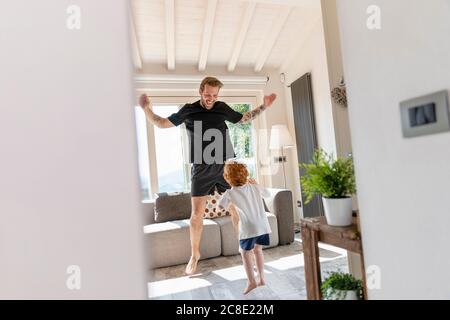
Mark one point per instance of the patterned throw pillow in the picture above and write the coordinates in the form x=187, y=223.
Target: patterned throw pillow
x=211, y=210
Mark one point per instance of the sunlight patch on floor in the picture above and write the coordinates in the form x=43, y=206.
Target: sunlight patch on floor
x=234, y=273
x=295, y=261
x=328, y=247
x=177, y=285
x=231, y=274
x=286, y=263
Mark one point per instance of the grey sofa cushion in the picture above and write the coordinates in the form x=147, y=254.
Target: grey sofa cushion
x=169, y=207
x=229, y=238
x=169, y=242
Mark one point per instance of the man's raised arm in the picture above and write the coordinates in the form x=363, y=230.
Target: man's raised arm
x=156, y=120
x=250, y=115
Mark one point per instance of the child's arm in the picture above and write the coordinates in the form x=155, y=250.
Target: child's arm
x=234, y=218
x=263, y=191
x=225, y=203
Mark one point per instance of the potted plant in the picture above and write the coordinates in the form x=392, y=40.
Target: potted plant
x=342, y=286
x=334, y=180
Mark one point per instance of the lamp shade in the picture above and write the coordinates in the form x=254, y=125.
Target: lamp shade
x=280, y=137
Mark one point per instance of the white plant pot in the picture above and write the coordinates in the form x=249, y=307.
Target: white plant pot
x=343, y=295
x=338, y=212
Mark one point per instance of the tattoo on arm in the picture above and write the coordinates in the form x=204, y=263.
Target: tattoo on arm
x=250, y=115
x=154, y=118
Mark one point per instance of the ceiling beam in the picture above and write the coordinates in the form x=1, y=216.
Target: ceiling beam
x=170, y=33
x=272, y=37
x=290, y=3
x=207, y=33
x=137, y=60
x=247, y=18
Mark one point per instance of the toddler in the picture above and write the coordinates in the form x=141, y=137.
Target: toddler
x=253, y=226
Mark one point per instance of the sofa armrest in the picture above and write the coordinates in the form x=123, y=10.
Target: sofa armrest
x=149, y=211
x=280, y=204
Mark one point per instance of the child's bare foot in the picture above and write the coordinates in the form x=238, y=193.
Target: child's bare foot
x=192, y=265
x=250, y=287
x=261, y=282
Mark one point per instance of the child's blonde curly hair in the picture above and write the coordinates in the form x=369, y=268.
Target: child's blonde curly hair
x=235, y=173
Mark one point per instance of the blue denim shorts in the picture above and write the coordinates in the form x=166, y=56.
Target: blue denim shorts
x=249, y=244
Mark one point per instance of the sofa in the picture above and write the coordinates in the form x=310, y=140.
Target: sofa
x=168, y=242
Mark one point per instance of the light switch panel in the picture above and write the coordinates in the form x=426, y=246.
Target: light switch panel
x=425, y=115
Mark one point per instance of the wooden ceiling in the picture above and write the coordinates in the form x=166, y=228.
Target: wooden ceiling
x=256, y=34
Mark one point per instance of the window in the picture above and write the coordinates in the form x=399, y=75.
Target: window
x=144, y=169
x=242, y=140
x=169, y=150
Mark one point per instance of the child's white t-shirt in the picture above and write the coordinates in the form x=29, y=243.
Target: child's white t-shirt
x=248, y=201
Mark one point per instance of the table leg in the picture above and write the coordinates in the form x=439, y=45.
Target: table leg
x=363, y=276
x=312, y=263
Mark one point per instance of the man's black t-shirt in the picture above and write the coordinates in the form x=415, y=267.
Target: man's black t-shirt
x=208, y=133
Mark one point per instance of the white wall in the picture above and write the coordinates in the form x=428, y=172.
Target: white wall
x=69, y=174
x=276, y=114
x=336, y=73
x=310, y=57
x=403, y=184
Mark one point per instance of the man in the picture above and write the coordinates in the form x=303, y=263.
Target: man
x=205, y=120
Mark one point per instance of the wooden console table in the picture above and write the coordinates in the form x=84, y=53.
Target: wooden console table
x=315, y=230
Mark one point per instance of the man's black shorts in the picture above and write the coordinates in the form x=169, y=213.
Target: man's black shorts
x=205, y=178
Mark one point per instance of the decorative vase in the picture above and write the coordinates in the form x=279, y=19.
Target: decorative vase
x=335, y=294
x=338, y=212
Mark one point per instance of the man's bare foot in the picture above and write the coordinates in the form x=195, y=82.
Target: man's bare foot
x=250, y=287
x=261, y=282
x=192, y=265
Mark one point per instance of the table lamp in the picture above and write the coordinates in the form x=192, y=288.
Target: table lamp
x=280, y=139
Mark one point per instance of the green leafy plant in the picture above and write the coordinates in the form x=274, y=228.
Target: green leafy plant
x=328, y=177
x=337, y=283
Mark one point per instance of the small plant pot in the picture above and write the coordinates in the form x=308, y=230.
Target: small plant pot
x=342, y=294
x=338, y=212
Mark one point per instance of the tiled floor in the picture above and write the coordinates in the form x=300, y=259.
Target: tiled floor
x=224, y=277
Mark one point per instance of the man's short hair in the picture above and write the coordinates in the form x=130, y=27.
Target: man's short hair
x=210, y=81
